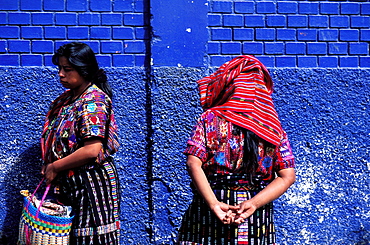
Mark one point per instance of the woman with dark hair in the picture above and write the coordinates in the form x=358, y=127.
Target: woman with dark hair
x=78, y=140
x=239, y=158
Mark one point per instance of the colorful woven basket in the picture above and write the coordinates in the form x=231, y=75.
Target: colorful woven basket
x=36, y=227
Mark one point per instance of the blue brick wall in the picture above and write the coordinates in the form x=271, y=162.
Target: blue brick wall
x=37, y=28
x=278, y=25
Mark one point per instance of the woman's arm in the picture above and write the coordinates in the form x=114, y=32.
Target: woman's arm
x=286, y=177
x=222, y=210
x=89, y=152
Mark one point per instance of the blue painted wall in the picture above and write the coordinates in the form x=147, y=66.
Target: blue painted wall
x=318, y=55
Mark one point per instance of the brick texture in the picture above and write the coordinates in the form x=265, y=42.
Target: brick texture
x=281, y=33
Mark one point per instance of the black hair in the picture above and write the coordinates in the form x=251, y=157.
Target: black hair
x=250, y=150
x=83, y=60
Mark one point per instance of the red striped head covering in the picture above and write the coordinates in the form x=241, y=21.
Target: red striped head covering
x=240, y=92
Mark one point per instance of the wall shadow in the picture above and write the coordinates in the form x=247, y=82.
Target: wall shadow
x=23, y=175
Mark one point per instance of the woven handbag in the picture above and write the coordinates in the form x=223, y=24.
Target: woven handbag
x=36, y=227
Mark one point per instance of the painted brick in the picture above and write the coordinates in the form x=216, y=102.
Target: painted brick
x=265, y=34
x=221, y=7
x=233, y=20
x=285, y=61
x=349, y=8
x=365, y=35
x=55, y=32
x=329, y=8
x=221, y=34
x=231, y=48
x=48, y=60
x=89, y=19
x=140, y=60
x=142, y=33
x=365, y=61
x=31, y=60
x=78, y=32
x=54, y=5
x=100, y=5
x=276, y=21
x=297, y=21
x=348, y=35
x=122, y=60
x=123, y=6
x=287, y=7
x=111, y=47
x=254, y=21
x=253, y=48
x=285, y=35
x=65, y=19
x=133, y=19
x=265, y=7
x=32, y=32
x=18, y=46
x=58, y=44
x=327, y=61
x=318, y=21
x=308, y=8
x=9, y=60
x=307, y=61
x=214, y=20
x=338, y=48
x=134, y=47
x=104, y=60
x=76, y=5
x=31, y=5
x=42, y=19
x=19, y=18
x=94, y=45
x=360, y=21
x=358, y=48
x=6, y=5
x=139, y=6
x=306, y=35
x=100, y=33
x=295, y=48
x=365, y=8
x=123, y=33
x=243, y=34
x=348, y=61
x=274, y=48
x=42, y=47
x=3, y=46
x=316, y=48
x=218, y=60
x=244, y=7
x=111, y=19
x=268, y=61
x=328, y=35
x=213, y=48
x=339, y=21
x=3, y=19
x=9, y=32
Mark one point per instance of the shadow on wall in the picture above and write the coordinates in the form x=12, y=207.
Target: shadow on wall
x=23, y=175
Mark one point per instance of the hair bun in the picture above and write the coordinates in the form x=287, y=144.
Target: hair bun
x=100, y=76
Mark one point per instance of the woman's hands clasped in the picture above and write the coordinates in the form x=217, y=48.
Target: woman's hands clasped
x=229, y=214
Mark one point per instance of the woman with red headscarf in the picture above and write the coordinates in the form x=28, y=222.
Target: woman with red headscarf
x=239, y=158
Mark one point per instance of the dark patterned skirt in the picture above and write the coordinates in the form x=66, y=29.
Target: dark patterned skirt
x=201, y=226
x=92, y=191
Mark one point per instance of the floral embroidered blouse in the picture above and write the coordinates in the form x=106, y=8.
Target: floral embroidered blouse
x=221, y=151
x=68, y=123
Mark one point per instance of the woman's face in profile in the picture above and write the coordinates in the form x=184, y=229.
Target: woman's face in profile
x=68, y=76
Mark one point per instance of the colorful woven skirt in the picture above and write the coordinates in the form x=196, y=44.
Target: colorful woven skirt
x=92, y=191
x=201, y=226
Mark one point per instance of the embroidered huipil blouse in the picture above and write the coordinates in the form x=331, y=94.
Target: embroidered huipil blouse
x=221, y=151
x=68, y=123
